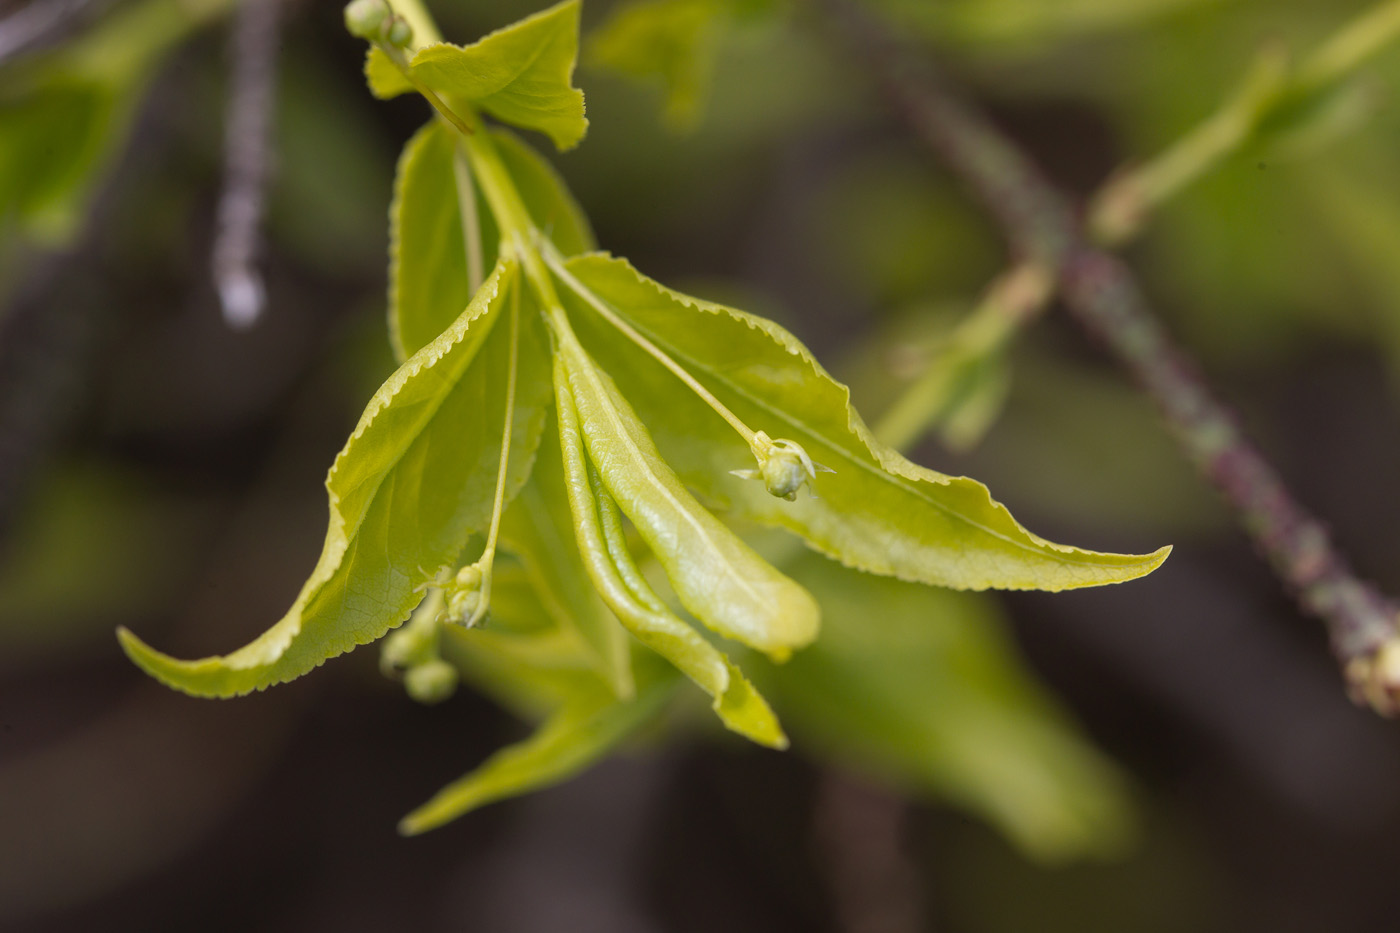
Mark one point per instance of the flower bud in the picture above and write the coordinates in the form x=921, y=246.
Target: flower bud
x=363, y=18
x=397, y=32
x=463, y=596
x=431, y=682
x=405, y=648
x=784, y=473
x=783, y=465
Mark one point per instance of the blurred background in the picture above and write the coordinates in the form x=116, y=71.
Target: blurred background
x=163, y=471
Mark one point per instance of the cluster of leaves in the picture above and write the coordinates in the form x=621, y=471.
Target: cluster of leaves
x=577, y=415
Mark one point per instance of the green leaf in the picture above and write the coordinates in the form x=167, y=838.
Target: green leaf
x=609, y=563
x=922, y=686
x=521, y=74
x=413, y=483
x=383, y=76
x=570, y=740
x=718, y=578
x=427, y=256
x=878, y=512
x=428, y=284
x=668, y=41
x=52, y=144
x=538, y=530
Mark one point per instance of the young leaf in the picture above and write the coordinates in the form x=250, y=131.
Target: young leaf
x=670, y=41
x=719, y=578
x=521, y=74
x=537, y=530
x=427, y=256
x=570, y=740
x=415, y=480
x=877, y=512
x=636, y=605
x=428, y=284
x=921, y=685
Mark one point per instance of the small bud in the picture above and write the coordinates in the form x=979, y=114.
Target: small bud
x=431, y=682
x=405, y=648
x=784, y=473
x=463, y=597
x=363, y=18
x=397, y=32
x=783, y=465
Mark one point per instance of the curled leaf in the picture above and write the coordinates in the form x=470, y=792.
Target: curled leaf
x=538, y=530
x=522, y=74
x=636, y=605
x=877, y=512
x=571, y=739
x=718, y=578
x=415, y=480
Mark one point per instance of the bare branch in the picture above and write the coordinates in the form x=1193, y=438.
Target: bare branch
x=1103, y=297
x=38, y=22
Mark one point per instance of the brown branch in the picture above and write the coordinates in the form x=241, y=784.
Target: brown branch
x=1101, y=294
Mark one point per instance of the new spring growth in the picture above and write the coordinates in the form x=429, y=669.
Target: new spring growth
x=463, y=595
x=783, y=465
x=375, y=21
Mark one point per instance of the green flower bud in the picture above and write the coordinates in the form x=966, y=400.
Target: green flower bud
x=783, y=465
x=431, y=682
x=463, y=596
x=784, y=473
x=398, y=33
x=405, y=648
x=363, y=18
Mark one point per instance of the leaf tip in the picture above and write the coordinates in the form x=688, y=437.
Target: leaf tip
x=414, y=825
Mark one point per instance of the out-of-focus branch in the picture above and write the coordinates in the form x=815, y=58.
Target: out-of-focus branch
x=1012, y=300
x=38, y=22
x=247, y=154
x=1103, y=297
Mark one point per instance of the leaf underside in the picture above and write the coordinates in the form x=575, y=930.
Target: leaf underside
x=414, y=482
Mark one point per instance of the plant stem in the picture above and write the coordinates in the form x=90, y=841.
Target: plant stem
x=1350, y=46
x=1118, y=212
x=1013, y=299
x=554, y=261
x=471, y=223
x=425, y=31
x=488, y=555
x=1101, y=294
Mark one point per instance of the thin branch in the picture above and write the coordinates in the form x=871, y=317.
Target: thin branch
x=1103, y=297
x=247, y=155
x=38, y=23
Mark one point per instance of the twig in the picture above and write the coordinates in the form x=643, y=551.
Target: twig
x=247, y=163
x=38, y=22
x=1101, y=294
